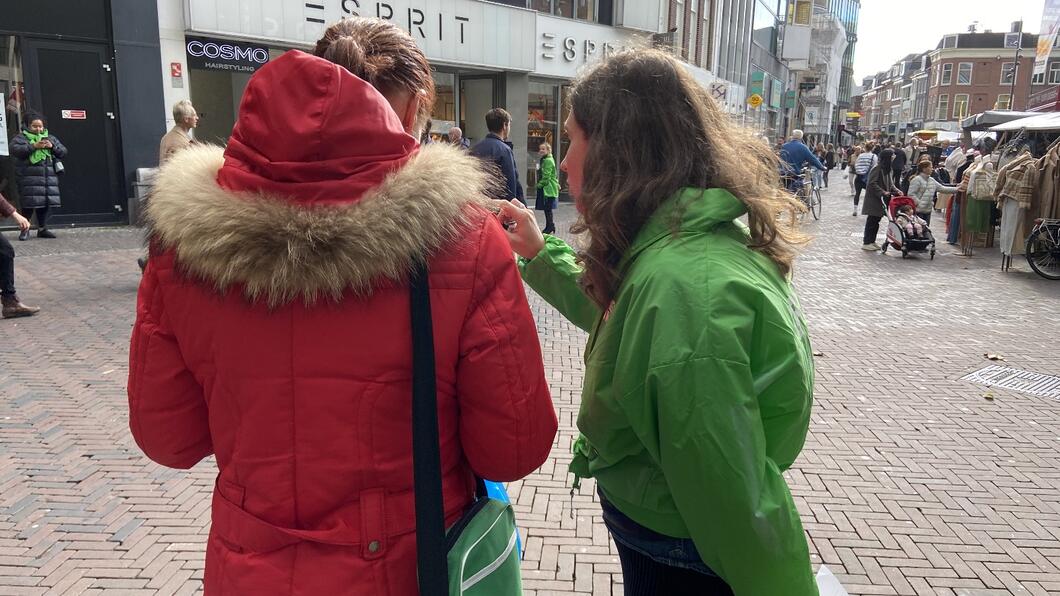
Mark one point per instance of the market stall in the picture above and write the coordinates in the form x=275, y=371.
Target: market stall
x=1027, y=187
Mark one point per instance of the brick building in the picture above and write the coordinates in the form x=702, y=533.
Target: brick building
x=973, y=73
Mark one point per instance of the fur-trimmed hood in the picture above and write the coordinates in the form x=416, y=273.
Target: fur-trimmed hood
x=279, y=250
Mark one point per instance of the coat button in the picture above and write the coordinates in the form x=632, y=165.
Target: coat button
x=373, y=546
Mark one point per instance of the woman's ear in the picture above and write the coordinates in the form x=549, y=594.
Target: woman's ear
x=409, y=118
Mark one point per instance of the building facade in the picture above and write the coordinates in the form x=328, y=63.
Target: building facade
x=90, y=68
x=519, y=55
x=847, y=11
x=976, y=72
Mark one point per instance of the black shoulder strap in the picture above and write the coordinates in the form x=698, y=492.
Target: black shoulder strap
x=426, y=458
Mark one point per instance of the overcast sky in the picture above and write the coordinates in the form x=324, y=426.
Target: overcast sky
x=890, y=29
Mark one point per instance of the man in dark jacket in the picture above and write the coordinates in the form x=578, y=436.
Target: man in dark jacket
x=12, y=307
x=898, y=166
x=496, y=148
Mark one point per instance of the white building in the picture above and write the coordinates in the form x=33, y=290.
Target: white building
x=485, y=54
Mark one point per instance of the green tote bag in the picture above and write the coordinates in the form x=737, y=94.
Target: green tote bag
x=477, y=556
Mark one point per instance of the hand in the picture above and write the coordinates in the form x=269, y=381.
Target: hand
x=47, y=143
x=520, y=227
x=23, y=223
x=41, y=144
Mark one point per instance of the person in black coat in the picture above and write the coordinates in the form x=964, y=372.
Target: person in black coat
x=37, y=154
x=496, y=149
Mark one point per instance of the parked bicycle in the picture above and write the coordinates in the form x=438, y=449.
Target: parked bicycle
x=1043, y=248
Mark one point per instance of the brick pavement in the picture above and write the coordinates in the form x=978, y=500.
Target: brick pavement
x=911, y=481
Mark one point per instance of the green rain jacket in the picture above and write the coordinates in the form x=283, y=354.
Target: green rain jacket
x=698, y=385
x=549, y=183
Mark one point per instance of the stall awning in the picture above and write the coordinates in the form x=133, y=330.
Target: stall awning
x=1049, y=121
x=985, y=120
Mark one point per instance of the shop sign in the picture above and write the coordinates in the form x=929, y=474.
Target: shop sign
x=564, y=46
x=217, y=54
x=3, y=126
x=755, y=100
x=758, y=79
x=777, y=96
x=465, y=32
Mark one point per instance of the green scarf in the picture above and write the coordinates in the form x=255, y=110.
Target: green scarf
x=38, y=155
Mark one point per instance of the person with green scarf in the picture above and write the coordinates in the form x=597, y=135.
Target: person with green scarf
x=37, y=154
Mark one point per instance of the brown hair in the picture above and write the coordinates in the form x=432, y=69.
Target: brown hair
x=496, y=119
x=382, y=54
x=925, y=164
x=693, y=144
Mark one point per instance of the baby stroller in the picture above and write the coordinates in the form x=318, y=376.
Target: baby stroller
x=899, y=238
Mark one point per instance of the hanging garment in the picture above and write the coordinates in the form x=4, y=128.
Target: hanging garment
x=1015, y=188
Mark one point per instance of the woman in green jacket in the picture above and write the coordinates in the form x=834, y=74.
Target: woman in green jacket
x=547, y=187
x=698, y=368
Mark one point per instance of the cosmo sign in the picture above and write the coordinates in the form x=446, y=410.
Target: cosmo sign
x=463, y=32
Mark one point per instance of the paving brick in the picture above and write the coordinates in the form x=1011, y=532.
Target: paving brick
x=910, y=483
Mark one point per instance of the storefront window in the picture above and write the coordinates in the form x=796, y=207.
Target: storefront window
x=565, y=8
x=443, y=115
x=13, y=95
x=542, y=125
x=544, y=6
x=586, y=10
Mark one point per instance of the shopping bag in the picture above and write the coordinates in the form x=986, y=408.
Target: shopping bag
x=496, y=490
x=828, y=584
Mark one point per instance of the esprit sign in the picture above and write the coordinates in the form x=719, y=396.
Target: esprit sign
x=211, y=54
x=458, y=32
x=564, y=46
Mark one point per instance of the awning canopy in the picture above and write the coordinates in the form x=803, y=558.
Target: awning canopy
x=1048, y=121
x=985, y=120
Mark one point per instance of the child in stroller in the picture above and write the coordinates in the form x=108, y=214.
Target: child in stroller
x=906, y=231
x=912, y=224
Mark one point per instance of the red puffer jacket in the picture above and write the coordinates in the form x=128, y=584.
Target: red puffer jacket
x=273, y=331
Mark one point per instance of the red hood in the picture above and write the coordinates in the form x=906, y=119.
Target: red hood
x=310, y=130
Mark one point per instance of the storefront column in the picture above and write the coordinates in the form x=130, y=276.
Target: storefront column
x=516, y=95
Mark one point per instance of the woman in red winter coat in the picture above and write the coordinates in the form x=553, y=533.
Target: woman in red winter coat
x=273, y=326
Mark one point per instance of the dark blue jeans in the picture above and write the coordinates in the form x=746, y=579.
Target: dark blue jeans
x=654, y=563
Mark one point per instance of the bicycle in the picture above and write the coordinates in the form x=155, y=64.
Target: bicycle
x=1043, y=248
x=806, y=190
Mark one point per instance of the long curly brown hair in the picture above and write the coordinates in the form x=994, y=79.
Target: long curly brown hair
x=652, y=130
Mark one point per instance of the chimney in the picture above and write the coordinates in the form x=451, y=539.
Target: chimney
x=1017, y=26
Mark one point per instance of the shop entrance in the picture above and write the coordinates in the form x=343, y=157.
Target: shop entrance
x=71, y=85
x=463, y=100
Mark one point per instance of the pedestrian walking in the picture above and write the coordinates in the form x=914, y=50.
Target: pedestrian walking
x=37, y=156
x=699, y=373
x=273, y=323
x=864, y=163
x=879, y=189
x=547, y=187
x=497, y=150
x=829, y=162
x=850, y=157
x=185, y=119
x=12, y=307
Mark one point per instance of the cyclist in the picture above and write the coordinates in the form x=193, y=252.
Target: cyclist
x=793, y=156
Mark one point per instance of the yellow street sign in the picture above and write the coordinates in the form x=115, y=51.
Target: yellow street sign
x=755, y=100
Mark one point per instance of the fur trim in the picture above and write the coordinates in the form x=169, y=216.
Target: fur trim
x=279, y=251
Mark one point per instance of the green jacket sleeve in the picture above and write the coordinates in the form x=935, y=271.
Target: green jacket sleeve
x=731, y=495
x=554, y=274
